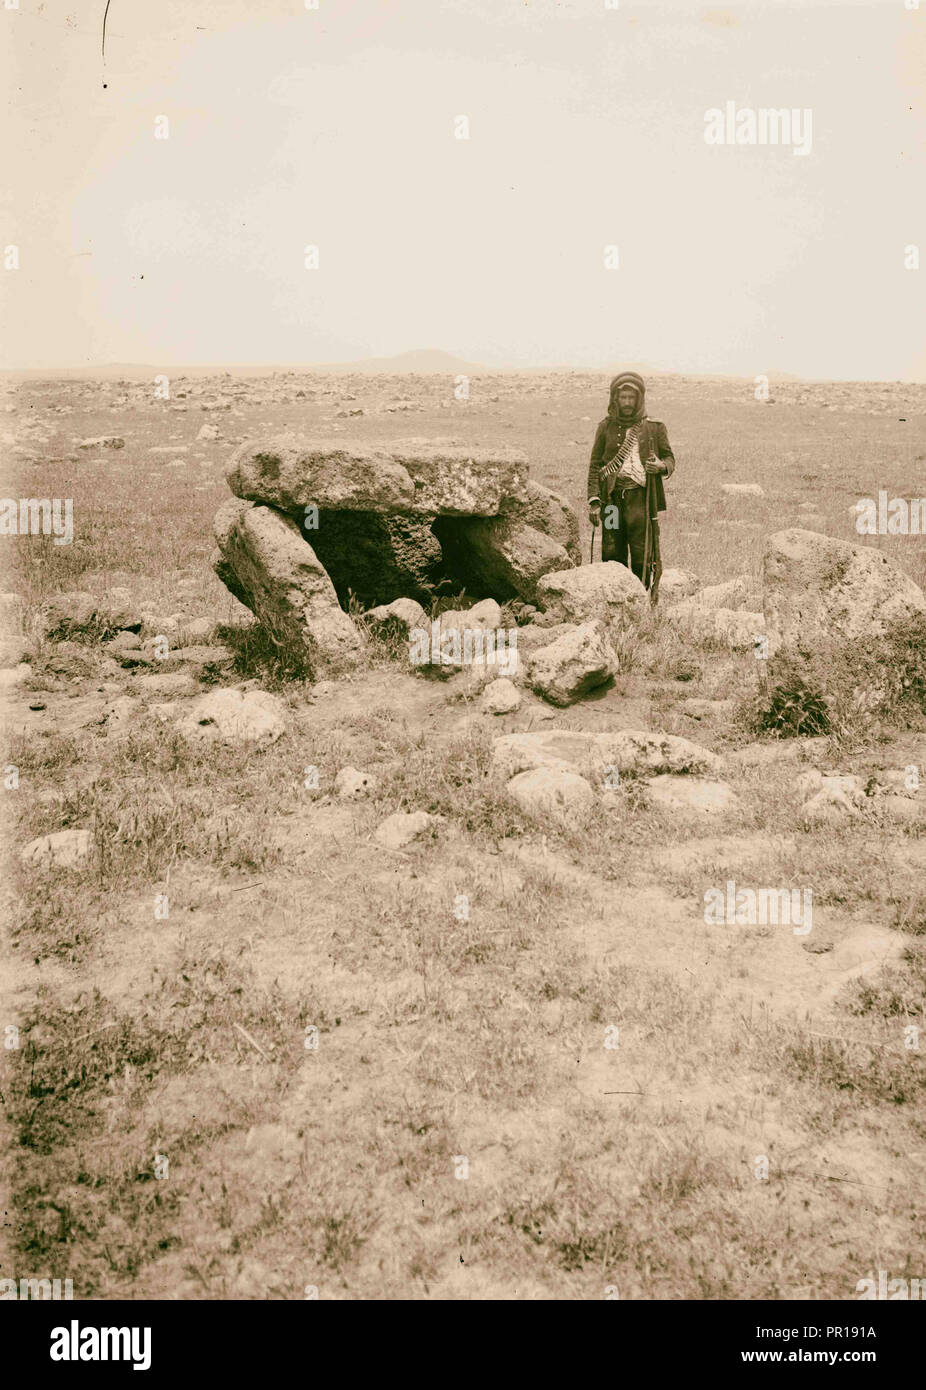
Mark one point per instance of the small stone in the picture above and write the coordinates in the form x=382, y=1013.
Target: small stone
x=572, y=665
x=829, y=807
x=120, y=712
x=65, y=849
x=124, y=641
x=676, y=584
x=633, y=751
x=254, y=716
x=166, y=683
x=74, y=608
x=102, y=441
x=501, y=696
x=197, y=628
x=692, y=794
x=744, y=489
x=403, y=613
x=551, y=789
x=400, y=829
x=351, y=784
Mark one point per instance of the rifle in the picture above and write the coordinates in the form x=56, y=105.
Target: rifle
x=652, y=560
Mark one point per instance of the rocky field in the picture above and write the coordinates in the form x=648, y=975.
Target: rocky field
x=399, y=980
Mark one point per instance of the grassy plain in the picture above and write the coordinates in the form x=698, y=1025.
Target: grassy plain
x=758, y=1130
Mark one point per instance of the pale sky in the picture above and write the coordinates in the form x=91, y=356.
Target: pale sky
x=335, y=127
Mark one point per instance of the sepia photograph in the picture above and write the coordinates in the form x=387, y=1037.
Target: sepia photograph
x=463, y=684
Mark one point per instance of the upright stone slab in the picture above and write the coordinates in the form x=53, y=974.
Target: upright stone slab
x=268, y=565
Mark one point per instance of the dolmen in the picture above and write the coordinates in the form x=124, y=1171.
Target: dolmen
x=316, y=527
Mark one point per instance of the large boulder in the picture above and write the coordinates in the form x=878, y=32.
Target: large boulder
x=573, y=665
x=268, y=565
x=819, y=591
x=609, y=592
x=410, y=476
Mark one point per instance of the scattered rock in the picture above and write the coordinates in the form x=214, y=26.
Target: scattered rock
x=573, y=665
x=120, y=610
x=400, y=829
x=486, y=615
x=535, y=635
x=675, y=585
x=692, y=794
x=102, y=441
x=65, y=849
x=900, y=809
x=350, y=784
x=830, y=806
x=208, y=433
x=898, y=781
x=629, y=751
x=197, y=628
x=501, y=696
x=252, y=716
x=609, y=592
x=73, y=609
x=551, y=789
x=743, y=489
x=403, y=613
x=740, y=630
x=120, y=713
x=812, y=781
x=124, y=641
x=166, y=683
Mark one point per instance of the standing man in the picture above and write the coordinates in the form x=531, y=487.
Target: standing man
x=627, y=448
